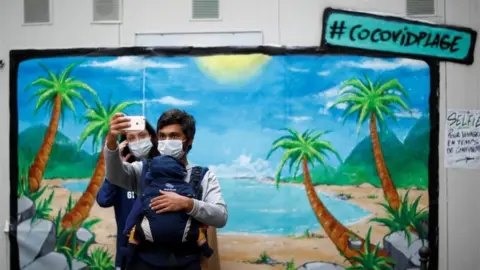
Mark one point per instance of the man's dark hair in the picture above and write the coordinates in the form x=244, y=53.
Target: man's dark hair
x=179, y=117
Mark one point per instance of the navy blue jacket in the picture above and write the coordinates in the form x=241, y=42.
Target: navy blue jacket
x=122, y=201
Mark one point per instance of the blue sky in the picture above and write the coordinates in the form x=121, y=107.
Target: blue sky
x=236, y=122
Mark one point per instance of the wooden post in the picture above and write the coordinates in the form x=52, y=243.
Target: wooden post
x=213, y=263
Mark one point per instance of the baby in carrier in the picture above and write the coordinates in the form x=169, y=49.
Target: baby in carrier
x=175, y=230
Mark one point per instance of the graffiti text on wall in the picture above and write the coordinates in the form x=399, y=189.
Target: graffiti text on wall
x=391, y=34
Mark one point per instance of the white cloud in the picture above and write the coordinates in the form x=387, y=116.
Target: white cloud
x=129, y=78
x=243, y=167
x=341, y=106
x=169, y=100
x=414, y=113
x=380, y=64
x=323, y=111
x=170, y=65
x=298, y=70
x=323, y=73
x=131, y=63
x=328, y=97
x=299, y=118
x=330, y=93
x=328, y=106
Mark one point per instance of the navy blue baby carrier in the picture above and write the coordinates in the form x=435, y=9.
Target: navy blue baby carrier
x=174, y=234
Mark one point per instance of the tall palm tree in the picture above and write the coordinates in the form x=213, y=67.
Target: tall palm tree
x=57, y=92
x=375, y=101
x=98, y=120
x=304, y=150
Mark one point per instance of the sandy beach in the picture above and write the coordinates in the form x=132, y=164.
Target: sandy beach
x=239, y=251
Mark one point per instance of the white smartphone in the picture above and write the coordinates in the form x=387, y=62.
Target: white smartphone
x=137, y=123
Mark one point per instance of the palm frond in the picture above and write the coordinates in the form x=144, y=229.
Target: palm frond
x=357, y=84
x=362, y=117
x=52, y=76
x=81, y=86
x=364, y=98
x=98, y=121
x=65, y=74
x=299, y=147
x=43, y=82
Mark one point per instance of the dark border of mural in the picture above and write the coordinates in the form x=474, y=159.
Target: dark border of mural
x=468, y=60
x=17, y=56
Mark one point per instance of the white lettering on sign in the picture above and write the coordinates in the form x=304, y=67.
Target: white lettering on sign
x=462, y=139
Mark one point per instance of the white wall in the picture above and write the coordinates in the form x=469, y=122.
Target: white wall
x=462, y=90
x=285, y=22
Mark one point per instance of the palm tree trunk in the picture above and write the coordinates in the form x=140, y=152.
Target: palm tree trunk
x=338, y=233
x=391, y=194
x=36, y=171
x=81, y=210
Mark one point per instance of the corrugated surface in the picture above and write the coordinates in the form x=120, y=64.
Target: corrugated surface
x=205, y=9
x=420, y=7
x=36, y=11
x=106, y=10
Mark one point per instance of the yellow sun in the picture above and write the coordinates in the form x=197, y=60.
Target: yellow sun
x=232, y=68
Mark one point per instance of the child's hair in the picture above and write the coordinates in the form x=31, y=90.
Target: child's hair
x=153, y=152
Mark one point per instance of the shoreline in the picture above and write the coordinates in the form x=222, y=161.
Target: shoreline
x=238, y=250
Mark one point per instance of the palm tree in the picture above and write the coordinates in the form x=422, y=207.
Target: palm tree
x=57, y=92
x=98, y=124
x=375, y=101
x=304, y=150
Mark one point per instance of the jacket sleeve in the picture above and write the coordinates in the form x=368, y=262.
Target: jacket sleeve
x=212, y=210
x=106, y=194
x=122, y=174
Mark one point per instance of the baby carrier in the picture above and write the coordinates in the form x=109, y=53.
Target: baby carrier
x=171, y=238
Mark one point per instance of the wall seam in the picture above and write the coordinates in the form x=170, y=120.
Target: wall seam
x=279, y=35
x=445, y=70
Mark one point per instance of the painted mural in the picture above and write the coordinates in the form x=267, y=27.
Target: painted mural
x=323, y=159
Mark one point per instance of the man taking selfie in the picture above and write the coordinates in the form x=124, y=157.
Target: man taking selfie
x=202, y=204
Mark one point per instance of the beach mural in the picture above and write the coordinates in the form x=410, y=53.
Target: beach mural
x=323, y=159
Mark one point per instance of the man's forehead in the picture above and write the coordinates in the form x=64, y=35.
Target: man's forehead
x=169, y=132
x=171, y=129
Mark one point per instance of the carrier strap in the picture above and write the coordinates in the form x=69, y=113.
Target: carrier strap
x=196, y=177
x=145, y=169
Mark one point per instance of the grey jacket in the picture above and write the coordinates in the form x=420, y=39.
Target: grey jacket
x=211, y=211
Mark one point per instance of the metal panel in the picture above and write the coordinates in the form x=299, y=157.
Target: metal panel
x=36, y=11
x=420, y=7
x=106, y=10
x=205, y=9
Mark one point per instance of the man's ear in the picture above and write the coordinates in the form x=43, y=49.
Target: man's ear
x=189, y=143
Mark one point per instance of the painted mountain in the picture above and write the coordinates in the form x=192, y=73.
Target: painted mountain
x=358, y=167
x=65, y=153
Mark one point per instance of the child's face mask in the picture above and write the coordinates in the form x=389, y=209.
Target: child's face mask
x=173, y=148
x=140, y=148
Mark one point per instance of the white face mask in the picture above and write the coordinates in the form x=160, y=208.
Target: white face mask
x=140, y=148
x=173, y=148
